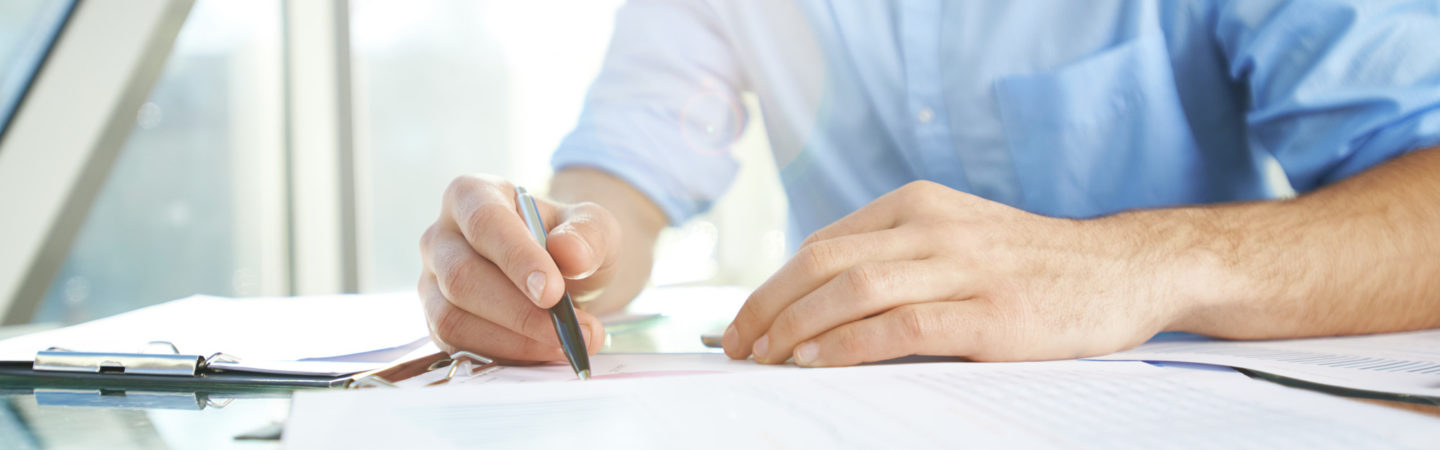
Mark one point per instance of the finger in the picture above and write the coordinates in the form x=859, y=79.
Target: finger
x=811, y=267
x=888, y=211
x=478, y=287
x=877, y=215
x=859, y=292
x=455, y=329
x=586, y=245
x=962, y=328
x=484, y=212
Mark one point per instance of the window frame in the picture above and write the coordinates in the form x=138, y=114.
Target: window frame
x=62, y=140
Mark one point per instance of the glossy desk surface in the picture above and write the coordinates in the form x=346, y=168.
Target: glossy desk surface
x=190, y=420
x=185, y=420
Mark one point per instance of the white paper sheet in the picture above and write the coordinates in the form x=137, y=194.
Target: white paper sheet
x=1073, y=404
x=261, y=331
x=1397, y=363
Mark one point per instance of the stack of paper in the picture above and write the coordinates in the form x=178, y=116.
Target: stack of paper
x=323, y=335
x=1070, y=404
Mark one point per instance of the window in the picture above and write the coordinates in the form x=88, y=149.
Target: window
x=202, y=198
x=27, y=28
x=450, y=87
x=187, y=206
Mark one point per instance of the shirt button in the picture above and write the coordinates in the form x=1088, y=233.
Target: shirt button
x=925, y=115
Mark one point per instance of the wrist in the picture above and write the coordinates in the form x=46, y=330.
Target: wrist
x=1186, y=262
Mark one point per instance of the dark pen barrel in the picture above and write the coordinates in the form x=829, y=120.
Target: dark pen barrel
x=567, y=327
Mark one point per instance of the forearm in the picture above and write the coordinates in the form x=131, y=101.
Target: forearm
x=1360, y=256
x=640, y=224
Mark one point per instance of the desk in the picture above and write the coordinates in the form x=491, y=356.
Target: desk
x=26, y=424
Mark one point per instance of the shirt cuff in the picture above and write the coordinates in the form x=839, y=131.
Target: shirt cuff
x=647, y=180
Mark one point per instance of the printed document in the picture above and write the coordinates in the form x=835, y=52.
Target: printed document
x=1069, y=404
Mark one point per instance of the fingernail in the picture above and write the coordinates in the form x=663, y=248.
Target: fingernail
x=805, y=355
x=589, y=251
x=535, y=285
x=730, y=339
x=762, y=348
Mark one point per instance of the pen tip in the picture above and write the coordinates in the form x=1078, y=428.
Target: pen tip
x=584, y=374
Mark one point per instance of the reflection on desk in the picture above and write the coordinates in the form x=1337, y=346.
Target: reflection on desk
x=26, y=423
x=664, y=321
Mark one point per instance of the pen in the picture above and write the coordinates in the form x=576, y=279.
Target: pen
x=567, y=327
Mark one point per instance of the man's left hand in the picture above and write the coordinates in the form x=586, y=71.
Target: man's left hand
x=930, y=270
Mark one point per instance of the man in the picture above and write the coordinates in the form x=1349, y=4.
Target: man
x=1093, y=174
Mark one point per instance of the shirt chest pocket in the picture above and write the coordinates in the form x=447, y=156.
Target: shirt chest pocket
x=1101, y=135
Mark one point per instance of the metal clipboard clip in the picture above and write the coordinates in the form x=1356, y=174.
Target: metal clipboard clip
x=172, y=363
x=461, y=362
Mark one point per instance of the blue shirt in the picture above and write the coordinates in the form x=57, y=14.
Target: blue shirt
x=1062, y=108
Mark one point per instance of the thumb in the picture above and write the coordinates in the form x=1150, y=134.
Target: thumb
x=586, y=243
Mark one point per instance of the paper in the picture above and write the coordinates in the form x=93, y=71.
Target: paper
x=608, y=366
x=1397, y=363
x=939, y=405
x=319, y=335
x=260, y=331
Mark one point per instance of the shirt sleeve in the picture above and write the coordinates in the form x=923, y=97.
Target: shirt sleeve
x=1335, y=87
x=665, y=107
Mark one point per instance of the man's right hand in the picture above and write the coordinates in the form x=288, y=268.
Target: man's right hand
x=486, y=283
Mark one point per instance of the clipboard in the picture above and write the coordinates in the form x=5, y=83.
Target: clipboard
x=67, y=369
x=175, y=381
x=64, y=368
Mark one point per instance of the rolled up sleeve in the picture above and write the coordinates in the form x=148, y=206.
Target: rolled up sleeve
x=665, y=108
x=1335, y=86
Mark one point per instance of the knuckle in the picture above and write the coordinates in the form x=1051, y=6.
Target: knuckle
x=589, y=208
x=786, y=324
x=910, y=324
x=607, y=222
x=448, y=322
x=810, y=240
x=511, y=254
x=455, y=278
x=528, y=323
x=816, y=258
x=486, y=216
x=744, y=317
x=818, y=237
x=427, y=239
x=865, y=280
x=461, y=186
x=852, y=343
x=921, y=192
x=921, y=186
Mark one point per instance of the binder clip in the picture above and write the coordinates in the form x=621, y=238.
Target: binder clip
x=172, y=363
x=470, y=364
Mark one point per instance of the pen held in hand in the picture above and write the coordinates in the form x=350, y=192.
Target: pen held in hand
x=562, y=315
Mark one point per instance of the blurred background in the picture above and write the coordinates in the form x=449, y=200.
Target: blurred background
x=207, y=194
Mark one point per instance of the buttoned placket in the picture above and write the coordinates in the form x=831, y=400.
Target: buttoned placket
x=924, y=95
